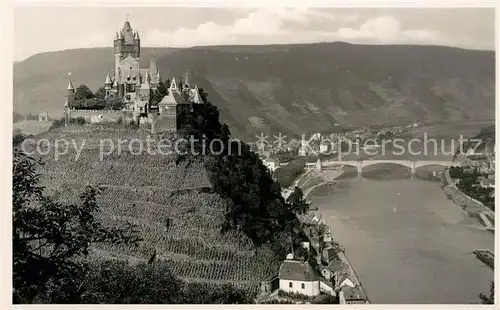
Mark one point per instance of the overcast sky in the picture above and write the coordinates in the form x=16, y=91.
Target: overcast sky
x=50, y=28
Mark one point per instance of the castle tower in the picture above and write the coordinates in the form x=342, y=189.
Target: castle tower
x=127, y=44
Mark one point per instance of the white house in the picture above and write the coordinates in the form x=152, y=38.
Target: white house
x=298, y=277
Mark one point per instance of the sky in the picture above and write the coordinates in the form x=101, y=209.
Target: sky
x=42, y=29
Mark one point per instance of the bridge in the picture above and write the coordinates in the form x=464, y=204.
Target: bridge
x=360, y=164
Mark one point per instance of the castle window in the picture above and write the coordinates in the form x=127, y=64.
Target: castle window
x=290, y=284
x=303, y=286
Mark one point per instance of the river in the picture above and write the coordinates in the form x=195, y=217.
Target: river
x=406, y=240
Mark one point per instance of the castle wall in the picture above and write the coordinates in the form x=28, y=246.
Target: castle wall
x=98, y=116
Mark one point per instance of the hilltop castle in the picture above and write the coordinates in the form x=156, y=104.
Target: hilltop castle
x=136, y=86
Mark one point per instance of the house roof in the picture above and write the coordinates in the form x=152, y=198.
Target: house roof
x=353, y=293
x=172, y=98
x=298, y=271
x=344, y=276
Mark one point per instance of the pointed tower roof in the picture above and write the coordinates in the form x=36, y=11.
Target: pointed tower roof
x=158, y=76
x=173, y=85
x=196, y=95
x=108, y=79
x=186, y=79
x=152, y=66
x=127, y=32
x=70, y=85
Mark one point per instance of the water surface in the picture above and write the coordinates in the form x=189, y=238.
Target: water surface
x=406, y=240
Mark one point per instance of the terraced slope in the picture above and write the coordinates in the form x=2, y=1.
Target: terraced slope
x=172, y=203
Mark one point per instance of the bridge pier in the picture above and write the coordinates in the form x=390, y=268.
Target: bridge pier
x=359, y=167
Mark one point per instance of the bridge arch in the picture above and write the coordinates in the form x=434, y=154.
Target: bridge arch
x=413, y=165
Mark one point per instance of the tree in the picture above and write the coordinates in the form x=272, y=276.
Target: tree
x=488, y=300
x=156, y=97
x=18, y=137
x=49, y=237
x=297, y=202
x=100, y=93
x=163, y=87
x=83, y=92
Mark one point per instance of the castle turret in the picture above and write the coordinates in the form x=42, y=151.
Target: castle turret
x=70, y=93
x=185, y=83
x=107, y=82
x=173, y=86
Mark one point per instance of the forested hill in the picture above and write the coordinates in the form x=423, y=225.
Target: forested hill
x=293, y=88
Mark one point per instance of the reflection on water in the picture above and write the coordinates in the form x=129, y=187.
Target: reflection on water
x=407, y=241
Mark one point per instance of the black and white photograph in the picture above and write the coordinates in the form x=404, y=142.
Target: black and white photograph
x=218, y=154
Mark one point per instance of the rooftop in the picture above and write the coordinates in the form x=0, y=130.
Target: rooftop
x=298, y=271
x=353, y=293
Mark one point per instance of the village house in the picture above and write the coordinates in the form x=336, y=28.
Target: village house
x=298, y=277
x=343, y=279
x=352, y=295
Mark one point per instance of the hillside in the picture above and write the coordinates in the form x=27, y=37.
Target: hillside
x=293, y=88
x=179, y=215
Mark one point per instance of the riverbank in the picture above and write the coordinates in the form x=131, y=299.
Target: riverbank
x=468, y=204
x=311, y=180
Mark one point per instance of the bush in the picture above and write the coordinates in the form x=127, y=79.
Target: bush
x=71, y=121
x=325, y=299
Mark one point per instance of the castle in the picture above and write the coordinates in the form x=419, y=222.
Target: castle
x=136, y=87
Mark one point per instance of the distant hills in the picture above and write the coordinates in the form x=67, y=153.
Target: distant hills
x=292, y=88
